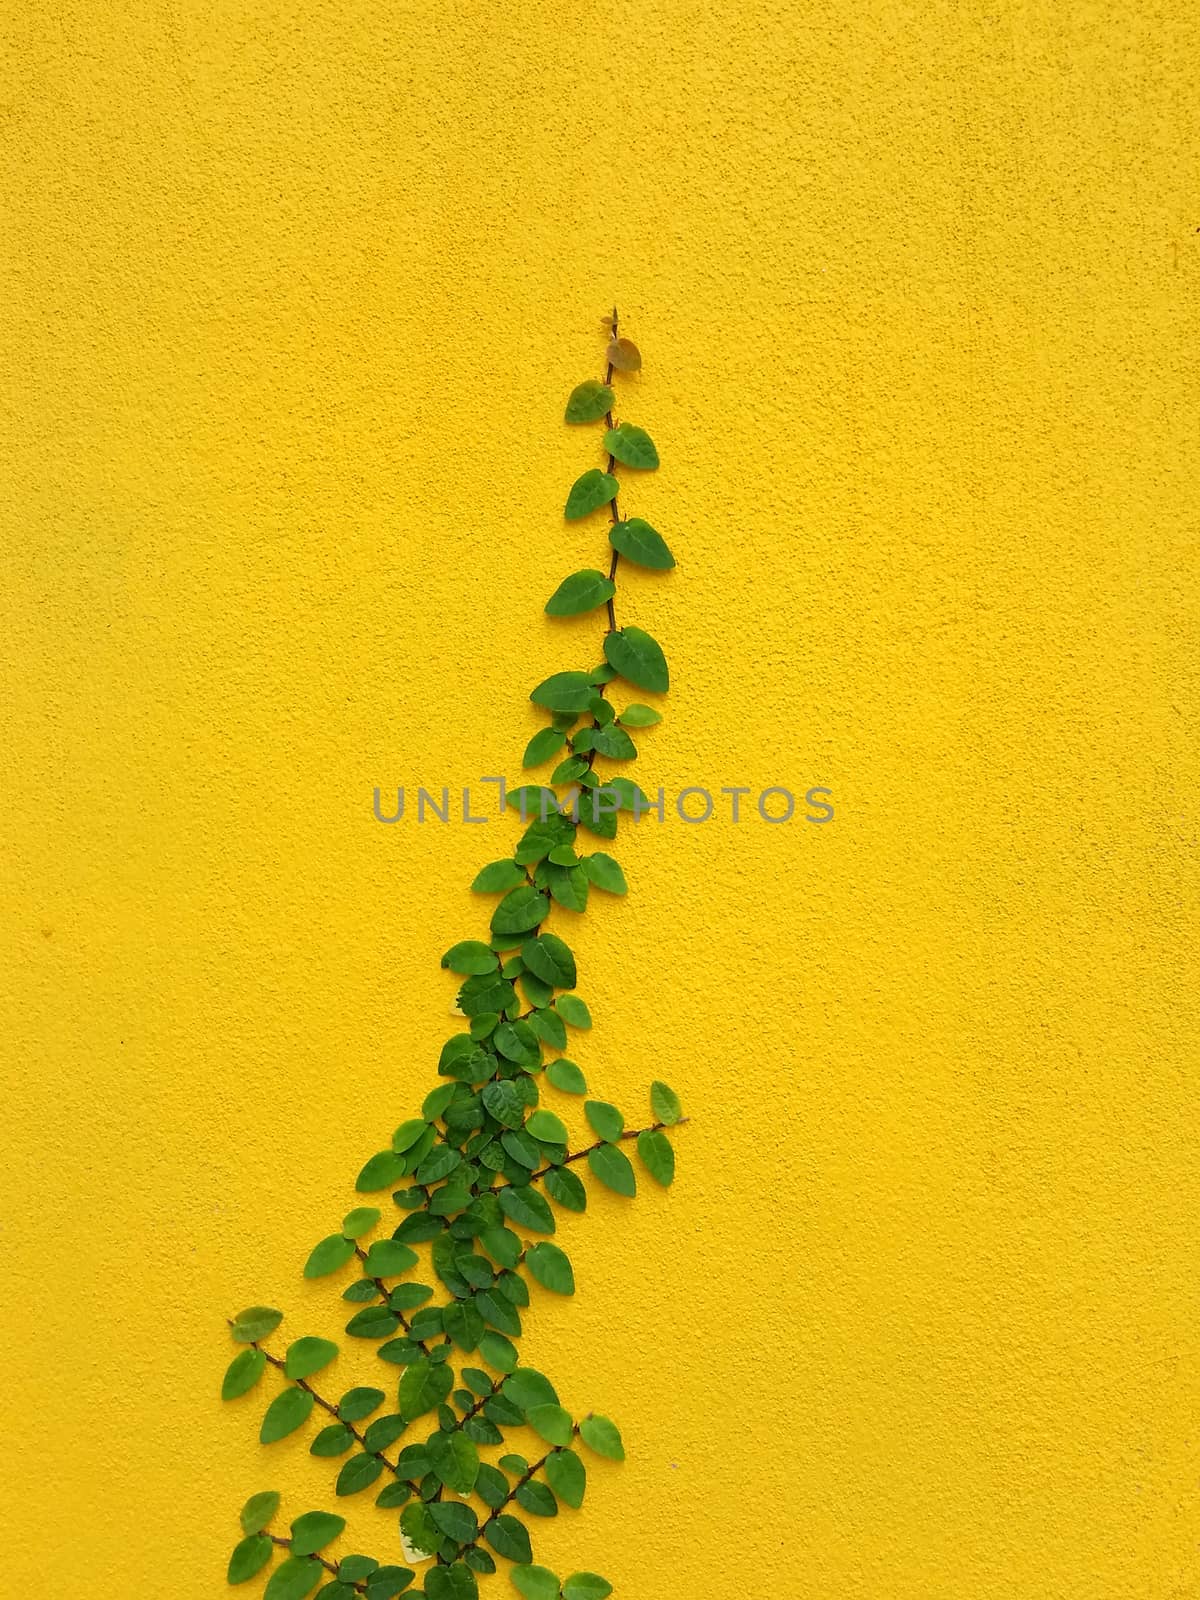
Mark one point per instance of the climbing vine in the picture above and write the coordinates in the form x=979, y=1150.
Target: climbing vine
x=475, y=1173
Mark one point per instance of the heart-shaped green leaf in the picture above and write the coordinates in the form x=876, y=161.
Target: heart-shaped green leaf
x=638, y=658
x=582, y=591
x=314, y=1530
x=564, y=691
x=308, y=1355
x=612, y=1167
x=640, y=543
x=285, y=1414
x=632, y=447
x=259, y=1510
x=588, y=402
x=588, y=493
x=249, y=1558
x=657, y=1156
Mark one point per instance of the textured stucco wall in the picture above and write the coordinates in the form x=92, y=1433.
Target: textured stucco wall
x=292, y=300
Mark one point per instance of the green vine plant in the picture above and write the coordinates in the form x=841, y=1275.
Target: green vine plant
x=477, y=1171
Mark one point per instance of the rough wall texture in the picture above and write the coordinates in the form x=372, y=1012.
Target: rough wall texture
x=292, y=300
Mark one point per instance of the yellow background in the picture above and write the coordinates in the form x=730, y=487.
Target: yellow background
x=293, y=298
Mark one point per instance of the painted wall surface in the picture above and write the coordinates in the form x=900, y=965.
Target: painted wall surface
x=292, y=301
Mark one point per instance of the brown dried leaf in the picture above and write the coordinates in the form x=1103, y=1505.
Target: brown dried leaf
x=624, y=355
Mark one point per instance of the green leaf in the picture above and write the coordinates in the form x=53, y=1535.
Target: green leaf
x=503, y=1244
x=242, y=1373
x=588, y=402
x=612, y=1167
x=638, y=658
x=516, y=1041
x=332, y=1252
x=538, y=1499
x=455, y=1461
x=564, y=691
x=361, y=1290
x=527, y=1208
x=337, y=1591
x=548, y=958
x=359, y=1473
x=393, y=1495
x=582, y=591
x=423, y=1387
x=598, y=814
x=588, y=493
x=496, y=877
x=334, y=1440
x=552, y=1422
x=605, y=1119
x=566, y=772
x=380, y=1172
x=545, y=743
x=464, y=1324
x=586, y=1586
x=508, y=1538
x=285, y=1414
x=389, y=1258
x=602, y=1436
x=535, y=1583
x=361, y=1220
x=259, y=1510
x=527, y=1387
x=520, y=910
x=297, y=1577
x=664, y=1102
x=532, y=800
x=605, y=873
x=637, y=716
x=631, y=446
x=572, y=1009
x=455, y=1582
x=372, y=1322
x=383, y=1433
x=358, y=1403
x=549, y=1028
x=657, y=1156
x=638, y=542
x=630, y=797
x=564, y=1187
x=551, y=1268
x=456, y=1521
x=567, y=1476
x=255, y=1323
x=503, y=1100
x=388, y=1582
x=614, y=743
x=470, y=956
x=308, y=1355
x=436, y=1101
x=314, y=1530
x=544, y=1125
x=498, y=1352
x=353, y=1568
x=566, y=1076
x=249, y=1558
x=521, y=1148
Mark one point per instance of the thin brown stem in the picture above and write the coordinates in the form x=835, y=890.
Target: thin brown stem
x=327, y=1405
x=330, y=1566
x=578, y=1155
x=612, y=504
x=387, y=1296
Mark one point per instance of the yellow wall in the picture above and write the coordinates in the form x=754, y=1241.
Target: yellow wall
x=293, y=297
